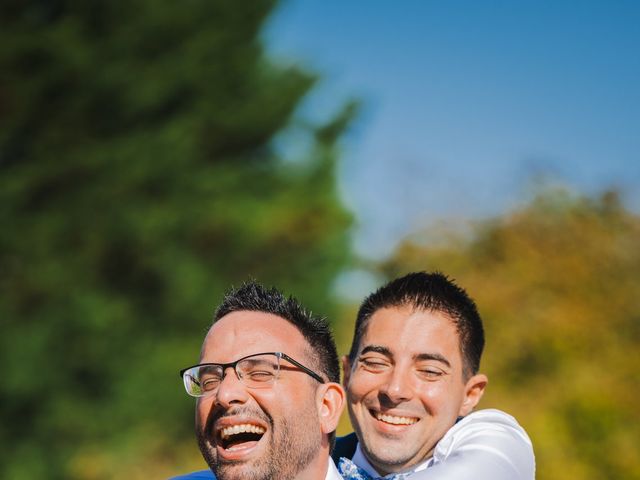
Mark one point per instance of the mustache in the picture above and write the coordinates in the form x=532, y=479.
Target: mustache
x=219, y=412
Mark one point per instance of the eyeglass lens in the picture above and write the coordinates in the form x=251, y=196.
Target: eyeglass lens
x=255, y=372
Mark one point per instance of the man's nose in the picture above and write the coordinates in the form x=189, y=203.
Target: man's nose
x=398, y=387
x=231, y=389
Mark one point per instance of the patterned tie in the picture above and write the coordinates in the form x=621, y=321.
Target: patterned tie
x=350, y=471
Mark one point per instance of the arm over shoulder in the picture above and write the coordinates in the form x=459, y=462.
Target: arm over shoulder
x=487, y=444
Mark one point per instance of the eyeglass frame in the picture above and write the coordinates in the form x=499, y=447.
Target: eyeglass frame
x=234, y=365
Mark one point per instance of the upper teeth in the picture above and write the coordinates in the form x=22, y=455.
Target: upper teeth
x=243, y=428
x=396, y=420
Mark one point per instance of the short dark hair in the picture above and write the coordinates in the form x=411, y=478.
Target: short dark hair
x=252, y=296
x=429, y=291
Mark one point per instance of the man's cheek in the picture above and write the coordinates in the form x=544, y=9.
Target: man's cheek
x=361, y=384
x=203, y=407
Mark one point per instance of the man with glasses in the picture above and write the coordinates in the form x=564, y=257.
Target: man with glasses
x=267, y=390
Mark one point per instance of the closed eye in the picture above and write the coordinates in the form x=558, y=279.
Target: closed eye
x=260, y=375
x=430, y=373
x=210, y=384
x=374, y=364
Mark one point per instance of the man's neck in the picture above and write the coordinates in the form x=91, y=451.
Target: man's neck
x=315, y=470
x=373, y=469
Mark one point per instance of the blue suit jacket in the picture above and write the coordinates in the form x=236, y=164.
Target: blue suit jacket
x=201, y=475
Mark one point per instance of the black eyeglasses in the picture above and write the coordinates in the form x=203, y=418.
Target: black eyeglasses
x=255, y=371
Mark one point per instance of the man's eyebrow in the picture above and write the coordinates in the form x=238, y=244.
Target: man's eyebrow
x=432, y=356
x=419, y=357
x=376, y=349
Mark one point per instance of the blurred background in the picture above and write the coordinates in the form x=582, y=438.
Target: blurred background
x=152, y=154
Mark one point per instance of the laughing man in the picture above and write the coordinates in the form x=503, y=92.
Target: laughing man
x=268, y=397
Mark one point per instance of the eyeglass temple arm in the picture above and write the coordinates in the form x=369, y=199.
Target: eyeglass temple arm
x=305, y=369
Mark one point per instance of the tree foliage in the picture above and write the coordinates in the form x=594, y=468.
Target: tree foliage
x=557, y=286
x=138, y=181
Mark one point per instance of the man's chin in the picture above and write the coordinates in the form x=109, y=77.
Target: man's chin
x=389, y=458
x=235, y=471
x=228, y=469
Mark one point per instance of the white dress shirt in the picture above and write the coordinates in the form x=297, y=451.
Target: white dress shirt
x=484, y=445
x=332, y=472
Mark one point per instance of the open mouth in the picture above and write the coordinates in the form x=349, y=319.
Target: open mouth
x=393, y=419
x=240, y=436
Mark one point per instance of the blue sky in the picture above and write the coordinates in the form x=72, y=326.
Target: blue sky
x=466, y=102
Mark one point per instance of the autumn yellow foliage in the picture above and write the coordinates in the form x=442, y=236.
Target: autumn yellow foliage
x=558, y=286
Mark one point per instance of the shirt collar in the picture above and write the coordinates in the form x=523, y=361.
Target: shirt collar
x=360, y=460
x=332, y=472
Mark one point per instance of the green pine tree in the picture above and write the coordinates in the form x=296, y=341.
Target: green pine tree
x=138, y=181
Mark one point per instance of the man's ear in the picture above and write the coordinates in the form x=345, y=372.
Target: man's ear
x=474, y=389
x=346, y=370
x=331, y=398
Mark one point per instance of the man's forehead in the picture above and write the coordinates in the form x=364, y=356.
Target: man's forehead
x=407, y=325
x=408, y=316
x=247, y=332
